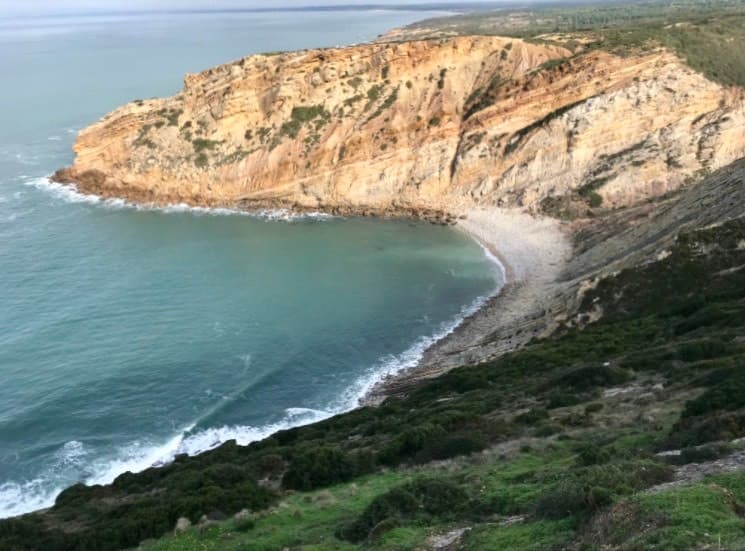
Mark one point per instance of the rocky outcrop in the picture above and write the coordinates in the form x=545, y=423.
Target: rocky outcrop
x=422, y=128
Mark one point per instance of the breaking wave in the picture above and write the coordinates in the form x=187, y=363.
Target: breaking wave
x=70, y=194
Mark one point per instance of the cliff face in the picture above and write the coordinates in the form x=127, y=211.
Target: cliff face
x=431, y=125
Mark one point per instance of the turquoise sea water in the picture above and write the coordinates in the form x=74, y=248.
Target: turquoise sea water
x=128, y=335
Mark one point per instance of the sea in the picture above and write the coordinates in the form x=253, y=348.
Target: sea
x=130, y=334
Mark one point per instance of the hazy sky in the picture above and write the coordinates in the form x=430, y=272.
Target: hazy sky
x=24, y=7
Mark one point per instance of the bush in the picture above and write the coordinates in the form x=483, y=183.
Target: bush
x=270, y=465
x=700, y=454
x=407, y=445
x=572, y=498
x=532, y=417
x=625, y=477
x=243, y=524
x=591, y=377
x=728, y=395
x=424, y=498
x=562, y=399
x=691, y=431
x=594, y=199
x=317, y=468
x=592, y=454
x=566, y=499
x=453, y=446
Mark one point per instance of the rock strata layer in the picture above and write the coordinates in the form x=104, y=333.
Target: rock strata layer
x=429, y=128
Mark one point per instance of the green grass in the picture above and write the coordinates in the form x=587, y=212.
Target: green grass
x=311, y=518
x=709, y=513
x=529, y=535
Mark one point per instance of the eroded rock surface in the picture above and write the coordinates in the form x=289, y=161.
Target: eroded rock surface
x=423, y=128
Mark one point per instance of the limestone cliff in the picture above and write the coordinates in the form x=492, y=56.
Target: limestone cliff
x=424, y=127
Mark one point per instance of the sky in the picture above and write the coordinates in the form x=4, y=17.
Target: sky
x=37, y=7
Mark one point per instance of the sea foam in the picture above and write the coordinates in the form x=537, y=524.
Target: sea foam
x=69, y=193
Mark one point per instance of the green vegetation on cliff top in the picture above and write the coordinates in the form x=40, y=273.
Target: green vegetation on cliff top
x=709, y=36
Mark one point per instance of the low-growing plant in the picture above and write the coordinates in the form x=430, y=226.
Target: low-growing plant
x=318, y=467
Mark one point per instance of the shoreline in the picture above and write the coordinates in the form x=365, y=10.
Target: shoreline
x=531, y=252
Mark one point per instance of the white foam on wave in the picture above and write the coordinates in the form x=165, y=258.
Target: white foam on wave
x=39, y=493
x=18, y=498
x=70, y=194
x=208, y=439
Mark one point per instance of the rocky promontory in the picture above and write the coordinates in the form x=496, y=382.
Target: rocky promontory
x=428, y=128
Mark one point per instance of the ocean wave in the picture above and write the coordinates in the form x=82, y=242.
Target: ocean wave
x=69, y=193
x=17, y=499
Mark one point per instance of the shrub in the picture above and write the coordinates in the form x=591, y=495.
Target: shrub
x=532, y=417
x=700, y=454
x=374, y=92
x=243, y=524
x=566, y=499
x=201, y=160
x=441, y=81
x=424, y=498
x=317, y=468
x=453, y=446
x=728, y=395
x=303, y=114
x=691, y=431
x=592, y=454
x=560, y=399
x=624, y=477
x=594, y=199
x=201, y=145
x=591, y=377
x=270, y=465
x=597, y=497
x=410, y=442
